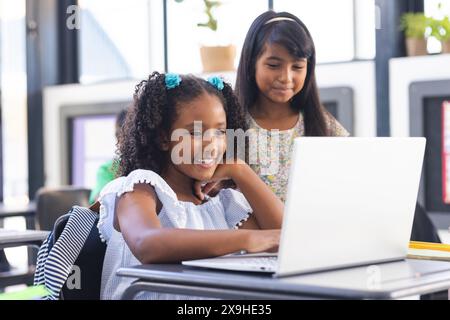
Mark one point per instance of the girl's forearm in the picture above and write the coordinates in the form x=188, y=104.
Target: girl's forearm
x=174, y=245
x=268, y=209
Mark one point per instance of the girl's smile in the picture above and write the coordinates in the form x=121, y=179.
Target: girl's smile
x=206, y=164
x=208, y=142
x=283, y=91
x=279, y=75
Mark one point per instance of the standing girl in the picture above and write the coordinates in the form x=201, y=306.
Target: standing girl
x=151, y=214
x=276, y=85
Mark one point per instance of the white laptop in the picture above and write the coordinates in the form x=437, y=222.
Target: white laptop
x=350, y=201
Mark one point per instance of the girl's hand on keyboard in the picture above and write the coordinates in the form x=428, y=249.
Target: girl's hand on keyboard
x=263, y=241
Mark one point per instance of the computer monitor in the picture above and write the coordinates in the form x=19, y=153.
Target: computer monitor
x=360, y=116
x=339, y=102
x=90, y=134
x=429, y=116
x=79, y=129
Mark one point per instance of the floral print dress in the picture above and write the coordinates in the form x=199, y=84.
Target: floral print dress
x=270, y=157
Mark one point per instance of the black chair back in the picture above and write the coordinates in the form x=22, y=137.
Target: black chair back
x=423, y=228
x=51, y=203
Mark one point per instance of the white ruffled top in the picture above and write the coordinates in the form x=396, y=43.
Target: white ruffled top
x=225, y=211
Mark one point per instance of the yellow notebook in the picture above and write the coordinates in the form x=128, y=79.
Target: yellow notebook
x=428, y=251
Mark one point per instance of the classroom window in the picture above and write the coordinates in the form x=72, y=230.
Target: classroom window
x=342, y=30
x=115, y=38
x=13, y=84
x=432, y=9
x=185, y=37
x=367, y=20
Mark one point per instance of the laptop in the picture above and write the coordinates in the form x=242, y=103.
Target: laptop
x=349, y=202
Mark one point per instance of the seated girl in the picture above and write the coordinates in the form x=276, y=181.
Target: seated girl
x=174, y=139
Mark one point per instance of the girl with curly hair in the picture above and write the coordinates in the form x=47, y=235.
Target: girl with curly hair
x=151, y=214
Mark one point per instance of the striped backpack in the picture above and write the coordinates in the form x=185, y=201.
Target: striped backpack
x=70, y=260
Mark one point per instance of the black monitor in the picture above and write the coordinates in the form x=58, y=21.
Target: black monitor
x=89, y=133
x=339, y=102
x=430, y=118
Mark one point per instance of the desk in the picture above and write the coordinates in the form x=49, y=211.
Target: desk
x=17, y=238
x=393, y=280
x=7, y=211
x=27, y=211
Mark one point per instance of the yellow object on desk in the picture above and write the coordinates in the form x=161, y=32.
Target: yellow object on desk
x=428, y=251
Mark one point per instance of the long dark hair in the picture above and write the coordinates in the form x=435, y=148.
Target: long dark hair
x=153, y=112
x=295, y=37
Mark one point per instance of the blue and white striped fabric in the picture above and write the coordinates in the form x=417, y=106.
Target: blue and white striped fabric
x=55, y=263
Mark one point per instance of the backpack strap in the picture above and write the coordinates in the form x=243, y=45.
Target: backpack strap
x=39, y=278
x=62, y=256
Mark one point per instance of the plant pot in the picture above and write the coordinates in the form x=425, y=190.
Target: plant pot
x=416, y=47
x=218, y=58
x=446, y=46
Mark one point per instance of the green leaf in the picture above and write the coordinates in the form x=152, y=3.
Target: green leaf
x=415, y=25
x=209, y=6
x=440, y=29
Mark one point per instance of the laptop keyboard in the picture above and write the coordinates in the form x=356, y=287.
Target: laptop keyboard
x=253, y=262
x=264, y=263
x=268, y=264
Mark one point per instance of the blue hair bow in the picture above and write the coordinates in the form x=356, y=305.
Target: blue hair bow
x=216, y=82
x=172, y=80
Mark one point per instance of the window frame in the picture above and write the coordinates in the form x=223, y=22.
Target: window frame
x=270, y=6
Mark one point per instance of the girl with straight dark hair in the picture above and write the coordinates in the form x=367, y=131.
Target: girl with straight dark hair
x=276, y=85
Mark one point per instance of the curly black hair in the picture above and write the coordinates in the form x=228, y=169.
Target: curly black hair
x=153, y=112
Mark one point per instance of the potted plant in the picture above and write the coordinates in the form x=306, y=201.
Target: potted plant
x=415, y=26
x=215, y=58
x=440, y=29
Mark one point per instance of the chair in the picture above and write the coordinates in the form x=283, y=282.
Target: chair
x=423, y=228
x=89, y=263
x=51, y=203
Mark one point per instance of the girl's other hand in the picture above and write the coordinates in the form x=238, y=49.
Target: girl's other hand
x=201, y=189
x=223, y=172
